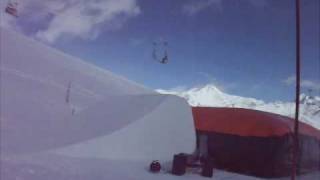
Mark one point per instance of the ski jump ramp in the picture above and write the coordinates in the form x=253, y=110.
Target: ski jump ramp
x=52, y=102
x=149, y=127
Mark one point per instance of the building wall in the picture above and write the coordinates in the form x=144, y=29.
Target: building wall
x=261, y=156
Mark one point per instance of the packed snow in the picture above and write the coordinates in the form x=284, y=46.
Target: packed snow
x=55, y=105
x=160, y=132
x=210, y=96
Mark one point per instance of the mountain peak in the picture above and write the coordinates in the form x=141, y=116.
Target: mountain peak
x=309, y=100
x=211, y=96
x=208, y=88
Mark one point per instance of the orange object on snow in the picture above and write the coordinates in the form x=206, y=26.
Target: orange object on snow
x=247, y=122
x=254, y=142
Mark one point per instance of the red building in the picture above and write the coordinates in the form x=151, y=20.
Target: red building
x=253, y=142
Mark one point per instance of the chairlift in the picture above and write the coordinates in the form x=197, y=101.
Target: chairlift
x=164, y=45
x=12, y=8
x=165, y=58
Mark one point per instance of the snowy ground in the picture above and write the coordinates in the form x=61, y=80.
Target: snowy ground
x=55, y=167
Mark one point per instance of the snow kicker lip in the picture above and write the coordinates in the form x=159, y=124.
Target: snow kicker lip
x=166, y=130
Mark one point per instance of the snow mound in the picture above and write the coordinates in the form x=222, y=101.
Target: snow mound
x=165, y=128
x=54, y=102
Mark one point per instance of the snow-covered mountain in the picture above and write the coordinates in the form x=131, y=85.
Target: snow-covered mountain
x=210, y=96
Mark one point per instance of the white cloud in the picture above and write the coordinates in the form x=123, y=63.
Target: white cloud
x=197, y=6
x=76, y=18
x=305, y=83
x=84, y=19
x=310, y=84
x=290, y=80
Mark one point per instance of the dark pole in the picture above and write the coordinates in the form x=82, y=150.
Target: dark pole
x=295, y=164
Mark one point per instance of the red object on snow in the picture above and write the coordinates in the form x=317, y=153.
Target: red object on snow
x=12, y=9
x=155, y=166
x=254, y=142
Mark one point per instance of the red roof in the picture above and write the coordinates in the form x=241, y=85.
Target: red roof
x=246, y=122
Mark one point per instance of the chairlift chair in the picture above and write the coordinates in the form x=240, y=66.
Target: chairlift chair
x=164, y=59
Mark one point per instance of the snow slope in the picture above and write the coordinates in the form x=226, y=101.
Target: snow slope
x=50, y=100
x=211, y=96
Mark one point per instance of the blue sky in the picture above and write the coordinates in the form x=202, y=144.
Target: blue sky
x=245, y=47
